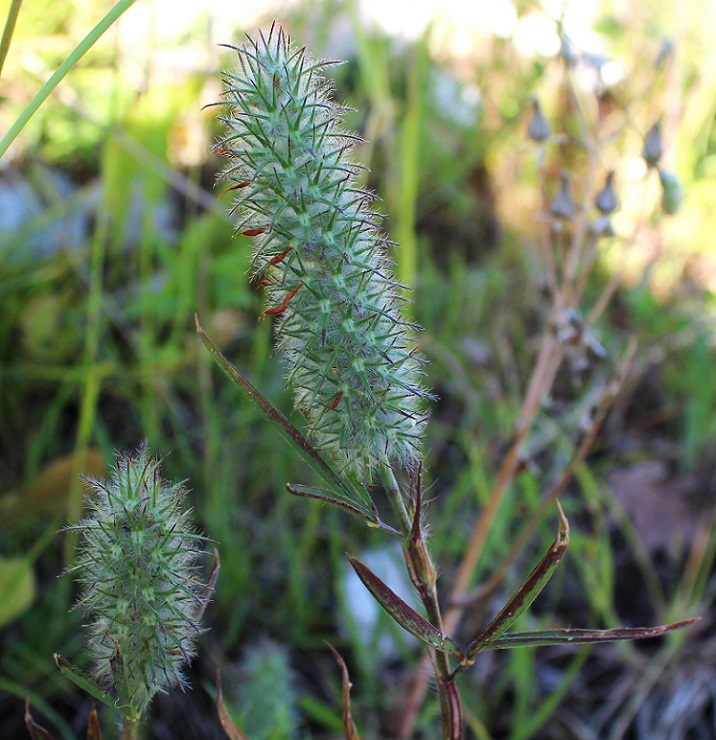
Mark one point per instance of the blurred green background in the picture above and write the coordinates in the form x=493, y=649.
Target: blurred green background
x=112, y=237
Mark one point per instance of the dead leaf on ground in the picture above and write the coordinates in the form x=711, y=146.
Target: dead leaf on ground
x=49, y=493
x=663, y=508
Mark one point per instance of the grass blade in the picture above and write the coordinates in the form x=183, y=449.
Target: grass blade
x=73, y=58
x=9, y=30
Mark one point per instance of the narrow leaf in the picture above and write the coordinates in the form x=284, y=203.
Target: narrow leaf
x=420, y=565
x=94, y=731
x=403, y=613
x=349, y=727
x=211, y=584
x=9, y=30
x=337, y=499
x=71, y=61
x=583, y=636
x=282, y=424
x=231, y=730
x=527, y=592
x=77, y=677
x=36, y=732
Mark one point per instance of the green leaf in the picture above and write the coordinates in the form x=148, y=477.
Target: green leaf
x=337, y=499
x=17, y=588
x=570, y=636
x=403, y=613
x=527, y=592
x=9, y=30
x=87, y=684
x=283, y=425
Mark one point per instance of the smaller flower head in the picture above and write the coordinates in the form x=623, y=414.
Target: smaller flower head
x=137, y=566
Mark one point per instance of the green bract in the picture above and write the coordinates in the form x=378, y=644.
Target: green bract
x=137, y=565
x=351, y=355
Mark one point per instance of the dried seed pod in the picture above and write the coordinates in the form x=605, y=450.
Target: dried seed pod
x=653, y=146
x=562, y=205
x=539, y=128
x=607, y=201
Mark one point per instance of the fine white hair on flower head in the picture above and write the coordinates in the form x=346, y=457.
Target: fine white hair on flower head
x=318, y=250
x=137, y=566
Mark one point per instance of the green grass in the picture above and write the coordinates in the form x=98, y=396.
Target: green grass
x=98, y=351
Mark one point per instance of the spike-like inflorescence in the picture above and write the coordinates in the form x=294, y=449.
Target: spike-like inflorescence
x=137, y=566
x=319, y=251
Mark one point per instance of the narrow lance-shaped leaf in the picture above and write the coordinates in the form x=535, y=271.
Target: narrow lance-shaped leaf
x=87, y=684
x=403, y=613
x=337, y=499
x=526, y=593
x=570, y=636
x=280, y=422
x=35, y=731
x=227, y=724
x=420, y=566
x=94, y=731
x=349, y=728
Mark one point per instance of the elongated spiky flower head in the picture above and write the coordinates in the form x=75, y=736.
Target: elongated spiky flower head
x=351, y=355
x=137, y=565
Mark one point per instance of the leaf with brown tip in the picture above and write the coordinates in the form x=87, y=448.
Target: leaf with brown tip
x=403, y=613
x=94, y=731
x=227, y=724
x=571, y=636
x=93, y=689
x=348, y=725
x=36, y=732
x=526, y=593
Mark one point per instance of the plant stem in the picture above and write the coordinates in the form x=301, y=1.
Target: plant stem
x=422, y=573
x=130, y=730
x=397, y=503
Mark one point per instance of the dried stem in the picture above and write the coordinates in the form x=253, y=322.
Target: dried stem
x=568, y=260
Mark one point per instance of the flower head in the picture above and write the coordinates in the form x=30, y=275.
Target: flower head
x=137, y=566
x=350, y=353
